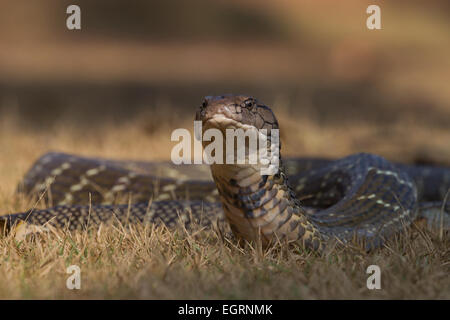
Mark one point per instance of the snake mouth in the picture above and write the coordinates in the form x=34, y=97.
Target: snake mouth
x=222, y=122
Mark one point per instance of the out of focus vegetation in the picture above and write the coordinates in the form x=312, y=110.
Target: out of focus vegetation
x=314, y=57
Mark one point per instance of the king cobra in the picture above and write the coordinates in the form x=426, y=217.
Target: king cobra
x=305, y=201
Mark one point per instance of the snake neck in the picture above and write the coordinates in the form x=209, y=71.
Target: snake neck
x=263, y=206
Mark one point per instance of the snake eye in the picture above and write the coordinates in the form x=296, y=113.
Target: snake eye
x=204, y=104
x=249, y=103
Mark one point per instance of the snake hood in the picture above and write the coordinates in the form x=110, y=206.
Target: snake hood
x=257, y=206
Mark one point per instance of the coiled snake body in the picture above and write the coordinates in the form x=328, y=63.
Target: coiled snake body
x=307, y=201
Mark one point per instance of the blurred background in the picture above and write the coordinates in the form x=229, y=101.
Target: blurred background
x=138, y=69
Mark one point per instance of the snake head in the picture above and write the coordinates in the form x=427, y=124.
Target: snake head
x=241, y=119
x=235, y=112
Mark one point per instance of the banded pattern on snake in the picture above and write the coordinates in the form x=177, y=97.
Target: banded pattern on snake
x=307, y=201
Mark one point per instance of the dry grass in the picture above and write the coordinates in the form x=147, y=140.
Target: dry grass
x=155, y=263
